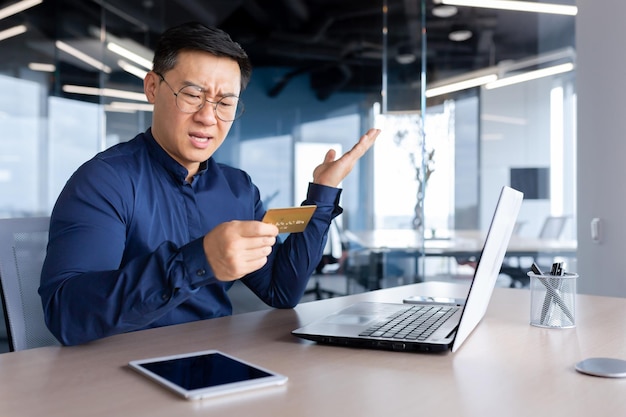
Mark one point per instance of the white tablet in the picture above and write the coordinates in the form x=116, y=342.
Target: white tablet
x=206, y=374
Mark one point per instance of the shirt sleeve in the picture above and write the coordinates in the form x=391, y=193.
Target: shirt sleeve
x=282, y=281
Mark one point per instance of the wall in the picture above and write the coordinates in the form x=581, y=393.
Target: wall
x=601, y=86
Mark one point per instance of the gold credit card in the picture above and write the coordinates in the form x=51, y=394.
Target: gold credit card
x=290, y=219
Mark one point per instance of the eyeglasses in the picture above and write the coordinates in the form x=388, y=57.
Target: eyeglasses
x=191, y=99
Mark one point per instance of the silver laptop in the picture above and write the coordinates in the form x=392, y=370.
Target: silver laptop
x=427, y=327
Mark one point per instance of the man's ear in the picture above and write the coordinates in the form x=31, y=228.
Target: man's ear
x=150, y=82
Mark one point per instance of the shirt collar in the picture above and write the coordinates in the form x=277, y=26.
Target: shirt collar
x=170, y=164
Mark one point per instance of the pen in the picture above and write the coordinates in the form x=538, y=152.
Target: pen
x=556, y=269
x=557, y=285
x=548, y=298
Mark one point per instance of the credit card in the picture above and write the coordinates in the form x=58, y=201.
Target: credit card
x=289, y=219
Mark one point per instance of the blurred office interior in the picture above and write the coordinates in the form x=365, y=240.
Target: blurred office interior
x=324, y=72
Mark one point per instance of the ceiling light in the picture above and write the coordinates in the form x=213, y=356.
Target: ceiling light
x=460, y=85
x=82, y=56
x=504, y=119
x=444, y=11
x=530, y=75
x=128, y=54
x=495, y=76
x=127, y=106
x=109, y=108
x=460, y=35
x=104, y=92
x=405, y=59
x=18, y=7
x=131, y=69
x=405, y=55
x=38, y=66
x=520, y=6
x=14, y=31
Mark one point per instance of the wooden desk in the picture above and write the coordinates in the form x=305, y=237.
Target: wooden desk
x=506, y=368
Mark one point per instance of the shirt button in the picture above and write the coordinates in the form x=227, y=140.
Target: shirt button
x=200, y=272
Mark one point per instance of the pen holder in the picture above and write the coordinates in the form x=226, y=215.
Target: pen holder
x=553, y=300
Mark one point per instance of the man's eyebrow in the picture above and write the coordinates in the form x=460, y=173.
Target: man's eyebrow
x=192, y=84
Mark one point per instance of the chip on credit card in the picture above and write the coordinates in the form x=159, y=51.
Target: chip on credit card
x=290, y=219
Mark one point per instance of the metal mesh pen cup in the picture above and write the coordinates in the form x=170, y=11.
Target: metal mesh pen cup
x=553, y=300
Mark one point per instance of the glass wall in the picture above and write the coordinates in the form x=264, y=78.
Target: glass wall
x=492, y=99
x=70, y=89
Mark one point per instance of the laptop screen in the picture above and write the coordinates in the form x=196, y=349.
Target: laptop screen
x=489, y=263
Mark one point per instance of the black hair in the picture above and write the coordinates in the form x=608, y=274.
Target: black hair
x=194, y=36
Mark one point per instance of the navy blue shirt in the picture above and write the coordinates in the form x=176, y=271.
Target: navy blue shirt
x=125, y=247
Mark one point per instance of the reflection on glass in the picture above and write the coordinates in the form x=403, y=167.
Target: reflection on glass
x=268, y=161
x=70, y=142
x=21, y=157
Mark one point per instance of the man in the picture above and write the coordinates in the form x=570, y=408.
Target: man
x=154, y=231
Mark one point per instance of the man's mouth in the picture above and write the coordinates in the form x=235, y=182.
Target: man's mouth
x=199, y=138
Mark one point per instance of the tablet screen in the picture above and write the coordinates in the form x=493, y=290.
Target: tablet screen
x=203, y=374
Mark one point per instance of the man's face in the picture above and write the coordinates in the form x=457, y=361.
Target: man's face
x=192, y=138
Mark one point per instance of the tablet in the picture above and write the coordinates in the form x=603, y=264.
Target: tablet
x=206, y=374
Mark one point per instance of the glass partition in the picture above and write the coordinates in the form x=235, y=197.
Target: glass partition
x=71, y=77
x=499, y=110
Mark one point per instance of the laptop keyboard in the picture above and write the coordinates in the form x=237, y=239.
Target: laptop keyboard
x=414, y=323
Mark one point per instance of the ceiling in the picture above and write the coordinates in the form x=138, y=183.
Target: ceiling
x=338, y=44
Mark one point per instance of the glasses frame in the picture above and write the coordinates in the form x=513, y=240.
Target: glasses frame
x=214, y=103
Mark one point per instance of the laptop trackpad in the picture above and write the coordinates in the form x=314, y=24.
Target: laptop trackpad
x=351, y=318
x=363, y=313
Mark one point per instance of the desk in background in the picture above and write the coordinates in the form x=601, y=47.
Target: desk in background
x=377, y=247
x=457, y=243
x=506, y=367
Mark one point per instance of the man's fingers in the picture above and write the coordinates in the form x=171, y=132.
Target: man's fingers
x=330, y=156
x=362, y=146
x=366, y=141
x=236, y=248
x=252, y=229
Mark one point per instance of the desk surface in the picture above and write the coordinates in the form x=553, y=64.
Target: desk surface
x=506, y=367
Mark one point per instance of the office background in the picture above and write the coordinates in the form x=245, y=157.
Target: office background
x=45, y=132
x=481, y=138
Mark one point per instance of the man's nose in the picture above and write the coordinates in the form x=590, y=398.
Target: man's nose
x=208, y=113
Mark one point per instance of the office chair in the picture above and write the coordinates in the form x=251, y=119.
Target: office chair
x=519, y=225
x=22, y=251
x=553, y=227
x=331, y=264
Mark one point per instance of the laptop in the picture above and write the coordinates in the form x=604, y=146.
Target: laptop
x=444, y=327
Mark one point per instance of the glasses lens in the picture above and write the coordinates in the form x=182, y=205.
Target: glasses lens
x=229, y=108
x=190, y=99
